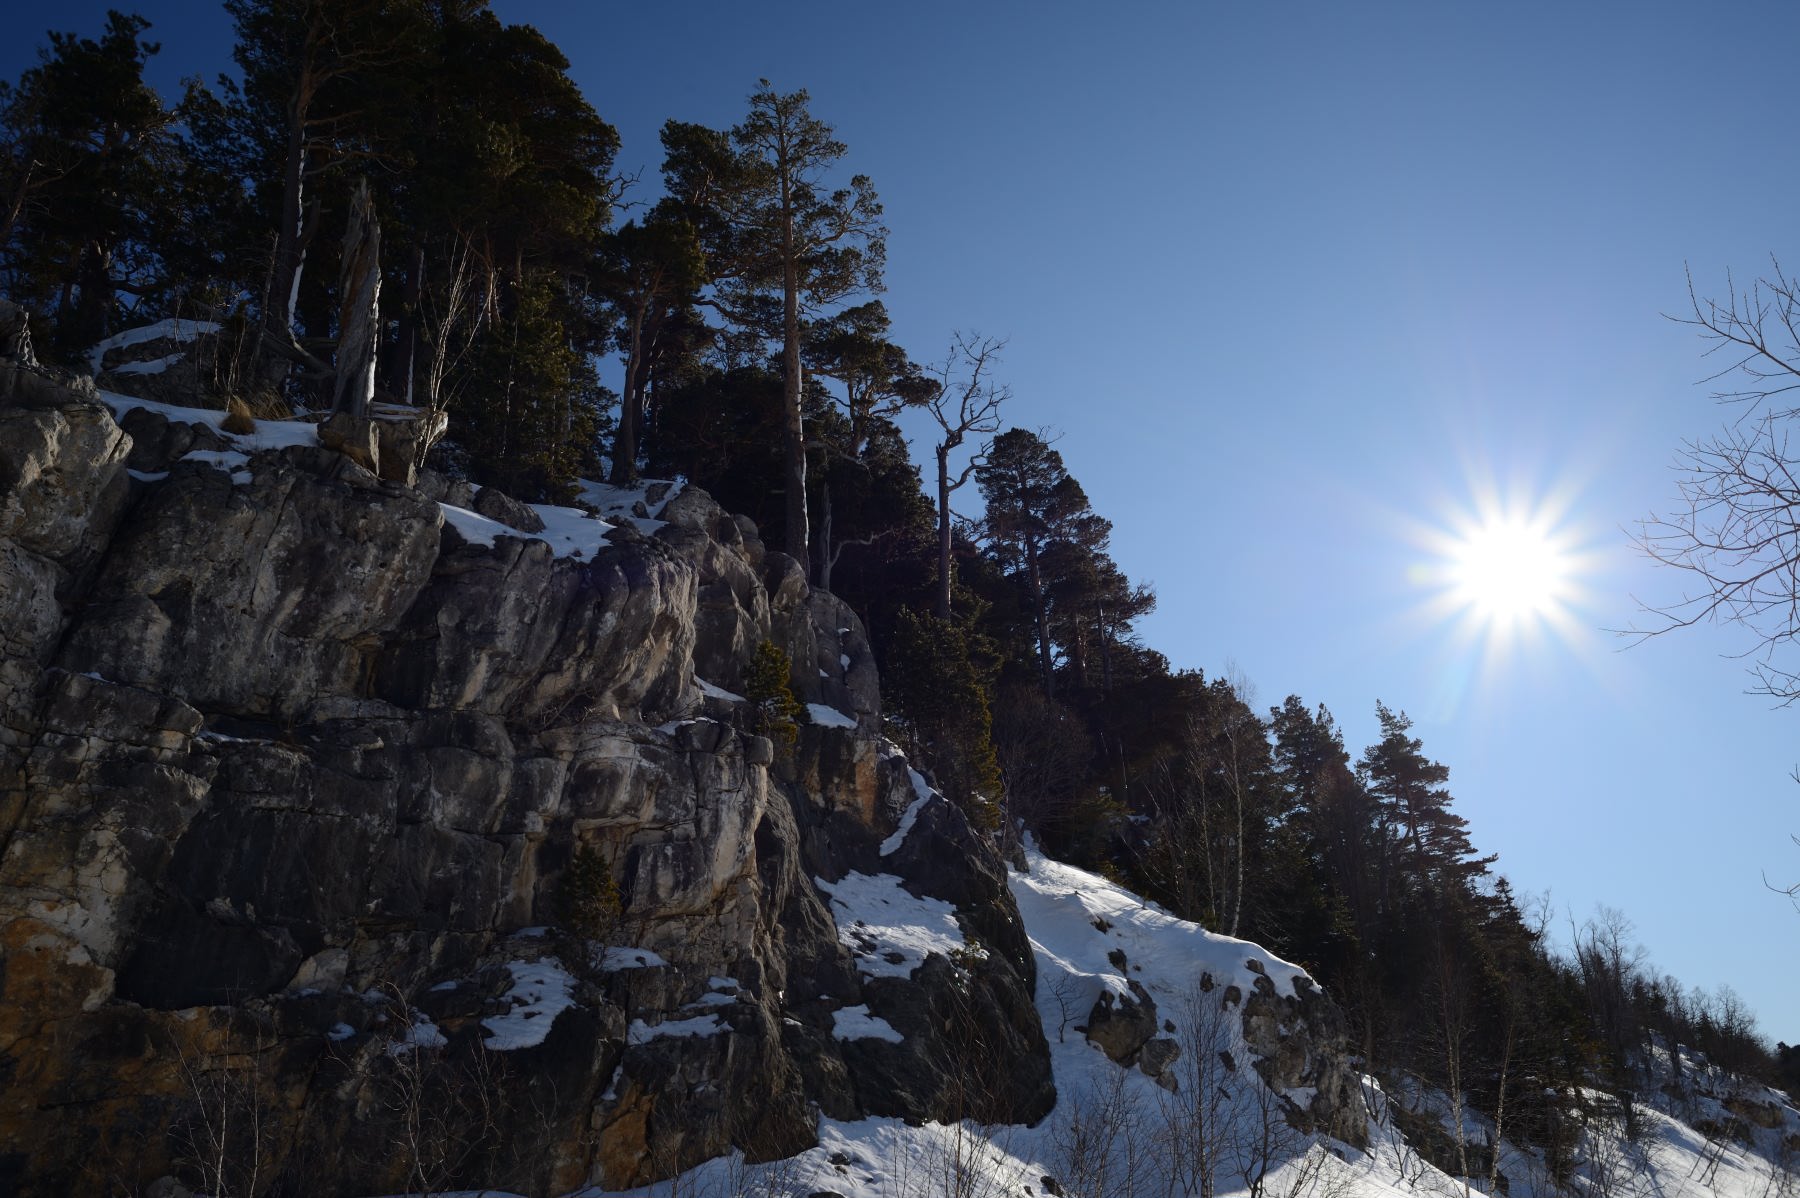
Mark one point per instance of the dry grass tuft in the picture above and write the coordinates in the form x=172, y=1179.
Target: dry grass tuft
x=237, y=417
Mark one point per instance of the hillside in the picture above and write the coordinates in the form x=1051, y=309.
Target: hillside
x=366, y=831
x=1115, y=1131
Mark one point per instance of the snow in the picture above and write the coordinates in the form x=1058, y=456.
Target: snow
x=340, y=1031
x=619, y=504
x=153, y=366
x=231, y=461
x=570, y=532
x=540, y=991
x=700, y=1025
x=268, y=434
x=474, y=527
x=829, y=717
x=421, y=1033
x=889, y=931
x=1064, y=902
x=892, y=844
x=886, y=1158
x=855, y=1023
x=173, y=329
x=614, y=959
x=716, y=692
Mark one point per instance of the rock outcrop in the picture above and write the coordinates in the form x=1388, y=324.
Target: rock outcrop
x=292, y=778
x=1301, y=1042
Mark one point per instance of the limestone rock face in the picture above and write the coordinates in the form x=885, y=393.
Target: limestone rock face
x=256, y=600
x=1302, y=1041
x=292, y=781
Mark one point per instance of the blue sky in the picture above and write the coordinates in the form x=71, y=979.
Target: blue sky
x=1296, y=282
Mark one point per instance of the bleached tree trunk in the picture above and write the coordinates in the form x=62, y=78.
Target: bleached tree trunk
x=359, y=308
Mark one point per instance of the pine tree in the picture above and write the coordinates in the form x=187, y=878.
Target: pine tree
x=651, y=274
x=768, y=688
x=1420, y=838
x=782, y=245
x=91, y=160
x=1038, y=525
x=932, y=684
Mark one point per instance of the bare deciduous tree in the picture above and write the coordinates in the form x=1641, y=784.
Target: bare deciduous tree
x=1734, y=532
x=227, y=1138
x=967, y=404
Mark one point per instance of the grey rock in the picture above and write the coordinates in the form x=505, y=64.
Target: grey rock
x=15, y=334
x=157, y=441
x=171, y=370
x=498, y=505
x=441, y=488
x=1302, y=1041
x=1122, y=1024
x=1157, y=1059
x=256, y=600
x=62, y=478
x=333, y=757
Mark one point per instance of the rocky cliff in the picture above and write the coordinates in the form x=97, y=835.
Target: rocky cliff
x=298, y=771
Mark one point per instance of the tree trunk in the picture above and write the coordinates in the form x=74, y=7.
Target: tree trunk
x=1043, y=617
x=944, y=578
x=794, y=429
x=825, y=554
x=403, y=358
x=290, y=244
x=631, y=406
x=92, y=312
x=359, y=308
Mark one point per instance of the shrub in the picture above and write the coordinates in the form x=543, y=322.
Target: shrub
x=775, y=713
x=587, y=899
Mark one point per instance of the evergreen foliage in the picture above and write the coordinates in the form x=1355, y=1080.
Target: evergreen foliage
x=933, y=686
x=90, y=183
x=588, y=903
x=775, y=712
x=782, y=243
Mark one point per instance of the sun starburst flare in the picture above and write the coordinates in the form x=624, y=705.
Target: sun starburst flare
x=1507, y=576
x=1507, y=570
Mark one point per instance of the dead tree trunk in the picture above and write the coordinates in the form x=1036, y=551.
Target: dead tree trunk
x=359, y=308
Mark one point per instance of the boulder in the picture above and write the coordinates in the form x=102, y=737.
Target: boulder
x=498, y=505
x=15, y=335
x=1122, y=1024
x=171, y=361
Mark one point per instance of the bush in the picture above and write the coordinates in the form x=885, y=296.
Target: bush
x=588, y=903
x=775, y=713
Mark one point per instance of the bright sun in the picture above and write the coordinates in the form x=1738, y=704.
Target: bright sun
x=1507, y=571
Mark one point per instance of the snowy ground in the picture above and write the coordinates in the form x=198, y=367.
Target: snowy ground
x=574, y=532
x=1110, y=1132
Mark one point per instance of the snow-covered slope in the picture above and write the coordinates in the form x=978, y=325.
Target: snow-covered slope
x=1116, y=1131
